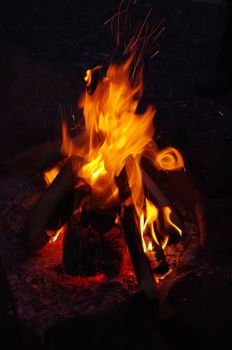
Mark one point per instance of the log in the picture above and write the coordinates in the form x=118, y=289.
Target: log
x=101, y=219
x=61, y=187
x=80, y=252
x=139, y=260
x=160, y=199
x=87, y=252
x=201, y=220
x=130, y=228
x=36, y=159
x=181, y=186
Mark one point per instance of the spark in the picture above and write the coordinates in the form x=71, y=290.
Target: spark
x=221, y=114
x=155, y=54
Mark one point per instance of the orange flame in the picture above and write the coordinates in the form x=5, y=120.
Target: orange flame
x=51, y=174
x=113, y=134
x=167, y=215
x=169, y=159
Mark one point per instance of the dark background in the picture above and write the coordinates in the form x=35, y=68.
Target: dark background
x=46, y=46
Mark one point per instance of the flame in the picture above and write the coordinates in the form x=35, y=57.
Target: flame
x=114, y=137
x=158, y=279
x=54, y=235
x=88, y=77
x=167, y=215
x=51, y=174
x=151, y=214
x=169, y=159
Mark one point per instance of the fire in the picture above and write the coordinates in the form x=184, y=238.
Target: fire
x=54, y=235
x=114, y=137
x=167, y=215
x=169, y=159
x=51, y=174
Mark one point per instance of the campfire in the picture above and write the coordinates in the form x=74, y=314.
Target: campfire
x=102, y=182
x=107, y=180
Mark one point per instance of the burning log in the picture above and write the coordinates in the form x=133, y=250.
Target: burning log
x=180, y=184
x=139, y=260
x=82, y=249
x=157, y=195
x=101, y=219
x=87, y=252
x=62, y=187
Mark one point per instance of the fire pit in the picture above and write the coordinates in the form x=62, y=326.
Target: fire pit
x=102, y=183
x=112, y=214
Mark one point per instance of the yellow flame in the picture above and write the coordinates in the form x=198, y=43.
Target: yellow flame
x=87, y=77
x=165, y=242
x=158, y=279
x=51, y=174
x=113, y=133
x=54, y=235
x=94, y=169
x=167, y=215
x=151, y=214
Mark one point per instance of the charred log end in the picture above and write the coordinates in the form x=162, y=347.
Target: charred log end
x=47, y=211
x=87, y=251
x=102, y=220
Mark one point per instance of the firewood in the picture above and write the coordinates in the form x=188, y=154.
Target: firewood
x=36, y=159
x=87, y=252
x=101, y=219
x=61, y=187
x=157, y=195
x=201, y=219
x=139, y=260
x=130, y=228
x=181, y=186
x=79, y=251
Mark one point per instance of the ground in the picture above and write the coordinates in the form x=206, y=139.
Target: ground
x=46, y=48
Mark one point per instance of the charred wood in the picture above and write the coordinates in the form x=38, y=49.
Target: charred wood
x=101, y=220
x=86, y=252
x=155, y=192
x=36, y=159
x=139, y=260
x=182, y=187
x=61, y=188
